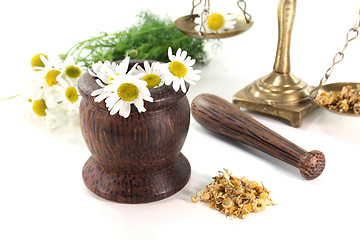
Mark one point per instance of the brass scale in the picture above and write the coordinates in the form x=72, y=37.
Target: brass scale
x=279, y=93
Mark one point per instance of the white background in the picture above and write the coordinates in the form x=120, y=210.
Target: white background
x=42, y=195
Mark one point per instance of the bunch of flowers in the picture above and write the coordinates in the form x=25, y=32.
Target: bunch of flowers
x=215, y=22
x=121, y=88
x=53, y=94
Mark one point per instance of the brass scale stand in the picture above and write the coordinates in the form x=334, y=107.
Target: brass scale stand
x=279, y=93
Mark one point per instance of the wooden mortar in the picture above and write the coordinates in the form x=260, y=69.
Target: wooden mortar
x=135, y=159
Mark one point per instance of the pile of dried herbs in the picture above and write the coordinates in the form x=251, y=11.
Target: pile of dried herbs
x=149, y=38
x=233, y=196
x=348, y=100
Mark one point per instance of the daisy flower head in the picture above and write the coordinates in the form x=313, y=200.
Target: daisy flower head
x=51, y=117
x=36, y=61
x=46, y=79
x=71, y=70
x=215, y=23
x=124, y=90
x=152, y=74
x=67, y=97
x=180, y=70
x=46, y=75
x=104, y=71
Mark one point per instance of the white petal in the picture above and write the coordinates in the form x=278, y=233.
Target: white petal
x=170, y=53
x=230, y=16
x=192, y=76
x=169, y=80
x=111, y=100
x=141, y=84
x=92, y=73
x=182, y=84
x=102, y=97
x=147, y=67
x=121, y=104
x=103, y=77
x=183, y=56
x=97, y=92
x=115, y=84
x=229, y=25
x=133, y=70
x=59, y=88
x=43, y=59
x=140, y=69
x=96, y=67
x=116, y=108
x=145, y=92
x=126, y=108
x=176, y=84
x=189, y=81
x=189, y=62
x=178, y=53
x=124, y=65
x=139, y=104
x=100, y=83
x=61, y=81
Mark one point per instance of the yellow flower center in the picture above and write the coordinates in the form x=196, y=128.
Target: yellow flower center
x=152, y=80
x=215, y=21
x=128, y=92
x=71, y=94
x=73, y=72
x=39, y=107
x=50, y=77
x=178, y=69
x=36, y=61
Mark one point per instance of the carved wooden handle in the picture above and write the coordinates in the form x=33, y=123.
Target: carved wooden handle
x=220, y=116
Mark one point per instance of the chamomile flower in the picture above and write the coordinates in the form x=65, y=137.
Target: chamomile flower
x=40, y=112
x=104, y=71
x=216, y=23
x=72, y=70
x=125, y=90
x=39, y=106
x=152, y=74
x=47, y=76
x=67, y=97
x=180, y=70
x=37, y=62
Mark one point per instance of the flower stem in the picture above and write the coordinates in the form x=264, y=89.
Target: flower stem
x=8, y=98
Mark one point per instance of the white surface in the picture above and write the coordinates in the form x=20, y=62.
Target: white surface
x=42, y=192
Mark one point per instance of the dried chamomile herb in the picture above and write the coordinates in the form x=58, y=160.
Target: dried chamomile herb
x=233, y=196
x=348, y=100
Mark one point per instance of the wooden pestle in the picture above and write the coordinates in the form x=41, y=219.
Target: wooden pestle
x=222, y=117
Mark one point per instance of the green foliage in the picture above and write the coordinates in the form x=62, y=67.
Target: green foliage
x=150, y=37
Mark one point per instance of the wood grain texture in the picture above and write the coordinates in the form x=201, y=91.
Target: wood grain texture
x=135, y=159
x=220, y=116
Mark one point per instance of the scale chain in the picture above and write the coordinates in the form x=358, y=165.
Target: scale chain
x=339, y=56
x=243, y=9
x=194, y=6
